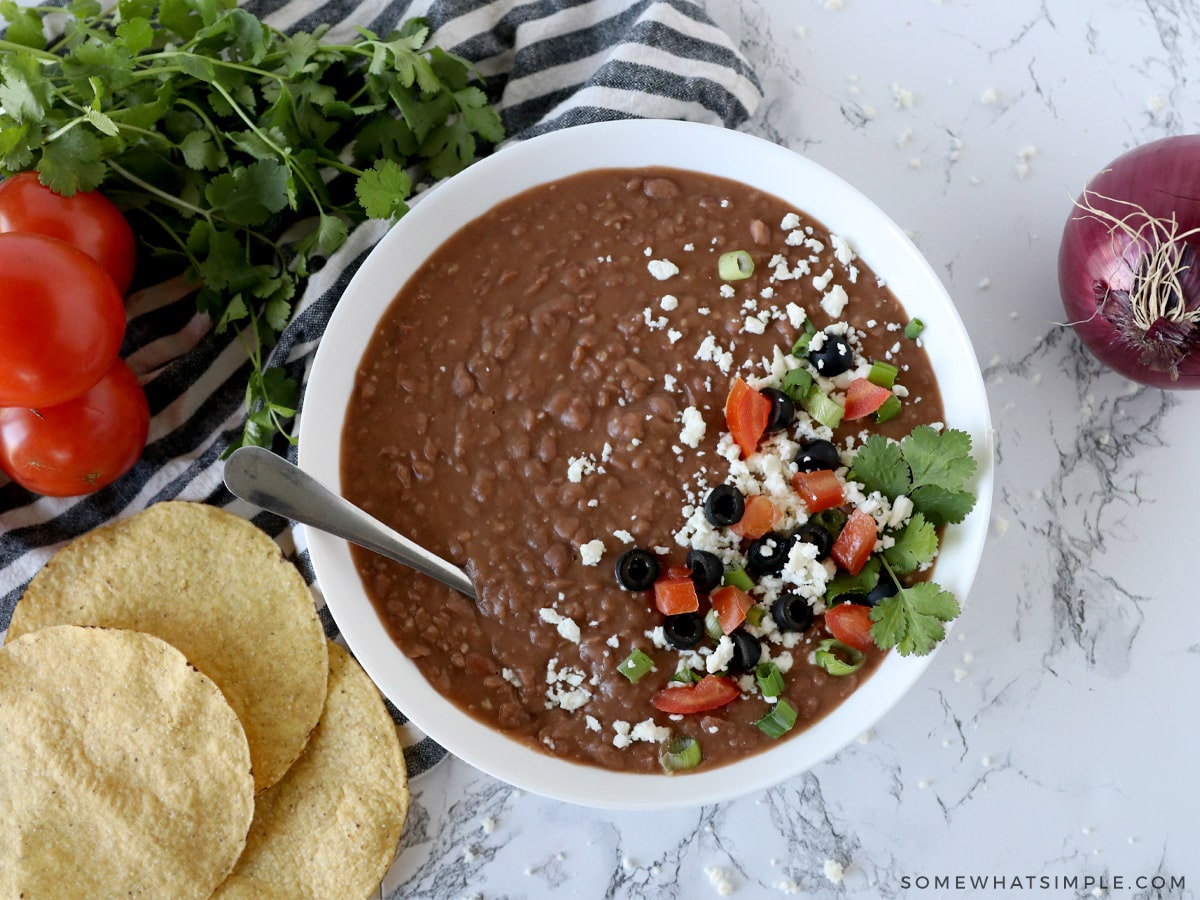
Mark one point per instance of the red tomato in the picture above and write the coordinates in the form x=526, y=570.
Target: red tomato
x=86, y=220
x=710, y=692
x=761, y=516
x=61, y=321
x=675, y=595
x=79, y=446
x=731, y=604
x=747, y=413
x=855, y=542
x=863, y=398
x=850, y=624
x=819, y=489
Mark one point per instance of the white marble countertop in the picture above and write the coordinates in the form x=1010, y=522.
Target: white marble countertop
x=1050, y=748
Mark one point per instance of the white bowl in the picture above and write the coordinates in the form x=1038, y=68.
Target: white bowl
x=769, y=167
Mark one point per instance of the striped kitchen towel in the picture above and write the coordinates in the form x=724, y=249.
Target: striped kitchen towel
x=548, y=64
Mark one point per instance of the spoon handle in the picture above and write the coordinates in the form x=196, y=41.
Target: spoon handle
x=265, y=479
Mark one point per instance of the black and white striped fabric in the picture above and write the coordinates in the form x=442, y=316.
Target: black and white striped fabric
x=548, y=64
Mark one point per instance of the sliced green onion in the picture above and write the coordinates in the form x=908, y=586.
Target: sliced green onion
x=889, y=410
x=770, y=679
x=883, y=374
x=755, y=615
x=828, y=658
x=687, y=676
x=735, y=265
x=712, y=625
x=823, y=408
x=778, y=721
x=913, y=329
x=679, y=753
x=635, y=665
x=738, y=579
x=800, y=348
x=796, y=384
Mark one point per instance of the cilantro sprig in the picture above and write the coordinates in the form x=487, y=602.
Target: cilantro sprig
x=912, y=620
x=241, y=154
x=930, y=467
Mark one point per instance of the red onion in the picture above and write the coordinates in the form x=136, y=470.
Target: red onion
x=1129, y=264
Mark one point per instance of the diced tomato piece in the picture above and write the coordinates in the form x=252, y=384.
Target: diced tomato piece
x=710, y=692
x=854, y=544
x=820, y=489
x=747, y=413
x=864, y=398
x=676, y=595
x=850, y=624
x=761, y=516
x=731, y=604
x=677, y=572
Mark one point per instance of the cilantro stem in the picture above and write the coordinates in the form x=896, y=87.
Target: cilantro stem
x=161, y=195
x=215, y=61
x=40, y=55
x=64, y=129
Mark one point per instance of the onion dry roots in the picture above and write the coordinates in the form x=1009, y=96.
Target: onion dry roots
x=1128, y=264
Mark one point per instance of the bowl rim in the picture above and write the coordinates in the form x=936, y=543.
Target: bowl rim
x=739, y=156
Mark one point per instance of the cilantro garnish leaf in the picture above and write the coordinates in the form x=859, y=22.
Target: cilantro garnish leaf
x=912, y=620
x=382, y=190
x=879, y=466
x=928, y=466
x=916, y=544
x=24, y=25
x=942, y=506
x=940, y=458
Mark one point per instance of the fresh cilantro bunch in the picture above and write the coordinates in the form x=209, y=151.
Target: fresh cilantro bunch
x=929, y=467
x=242, y=155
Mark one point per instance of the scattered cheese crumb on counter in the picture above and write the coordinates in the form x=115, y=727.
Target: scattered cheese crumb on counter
x=720, y=880
x=834, y=871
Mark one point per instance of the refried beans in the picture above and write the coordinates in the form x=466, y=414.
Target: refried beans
x=547, y=392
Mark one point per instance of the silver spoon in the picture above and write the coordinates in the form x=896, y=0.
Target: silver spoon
x=261, y=477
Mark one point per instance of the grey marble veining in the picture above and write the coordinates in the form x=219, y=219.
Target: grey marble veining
x=1055, y=735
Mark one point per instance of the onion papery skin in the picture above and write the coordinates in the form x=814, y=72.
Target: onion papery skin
x=1095, y=266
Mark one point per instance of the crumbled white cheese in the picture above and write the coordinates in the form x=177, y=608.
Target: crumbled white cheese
x=693, y=427
x=843, y=252
x=646, y=731
x=578, y=466
x=710, y=351
x=719, y=659
x=834, y=301
x=623, y=536
x=592, y=552
x=566, y=626
x=669, y=302
x=566, y=689
x=753, y=325
x=662, y=269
